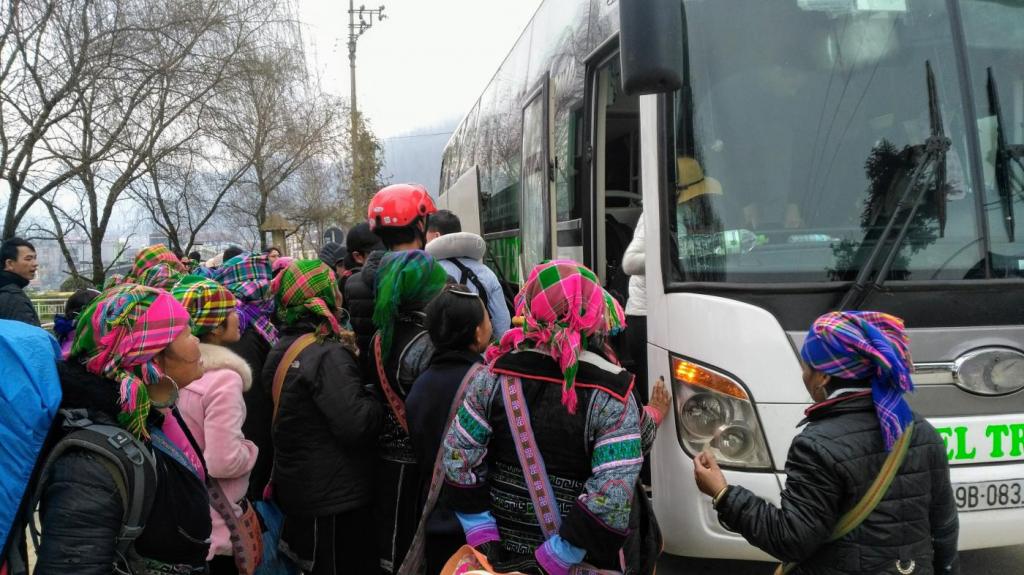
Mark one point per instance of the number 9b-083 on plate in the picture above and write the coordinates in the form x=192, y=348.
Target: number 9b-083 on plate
x=989, y=495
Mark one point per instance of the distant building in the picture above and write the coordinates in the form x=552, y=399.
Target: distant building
x=51, y=265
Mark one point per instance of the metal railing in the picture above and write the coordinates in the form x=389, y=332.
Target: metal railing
x=47, y=308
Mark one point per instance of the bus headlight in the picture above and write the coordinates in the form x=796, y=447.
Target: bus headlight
x=713, y=411
x=703, y=414
x=734, y=441
x=990, y=371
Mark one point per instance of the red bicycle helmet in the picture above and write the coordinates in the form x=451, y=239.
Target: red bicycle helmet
x=399, y=205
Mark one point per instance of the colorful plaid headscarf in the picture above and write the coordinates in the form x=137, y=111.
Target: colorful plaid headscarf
x=615, y=316
x=281, y=263
x=248, y=277
x=862, y=344
x=406, y=281
x=208, y=302
x=119, y=334
x=308, y=287
x=562, y=305
x=160, y=276
x=153, y=255
x=112, y=280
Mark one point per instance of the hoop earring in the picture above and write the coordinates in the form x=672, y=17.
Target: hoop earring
x=172, y=400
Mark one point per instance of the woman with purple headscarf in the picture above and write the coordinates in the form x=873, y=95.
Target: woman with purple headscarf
x=867, y=481
x=248, y=278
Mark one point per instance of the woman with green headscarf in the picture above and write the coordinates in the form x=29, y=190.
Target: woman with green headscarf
x=324, y=427
x=401, y=350
x=132, y=352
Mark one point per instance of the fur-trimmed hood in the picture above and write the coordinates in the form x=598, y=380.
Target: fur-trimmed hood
x=458, y=245
x=220, y=357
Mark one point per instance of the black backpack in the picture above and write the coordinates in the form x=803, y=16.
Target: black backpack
x=130, y=463
x=468, y=274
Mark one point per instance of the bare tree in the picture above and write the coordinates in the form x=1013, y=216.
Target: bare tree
x=185, y=192
x=280, y=122
x=48, y=50
x=160, y=72
x=197, y=112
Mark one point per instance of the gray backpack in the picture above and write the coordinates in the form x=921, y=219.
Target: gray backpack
x=130, y=463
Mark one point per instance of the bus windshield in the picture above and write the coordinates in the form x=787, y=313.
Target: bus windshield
x=801, y=123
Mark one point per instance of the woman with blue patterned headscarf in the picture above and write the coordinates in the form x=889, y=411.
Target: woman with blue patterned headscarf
x=867, y=481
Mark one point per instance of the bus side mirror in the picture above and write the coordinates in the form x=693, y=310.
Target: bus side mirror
x=651, y=45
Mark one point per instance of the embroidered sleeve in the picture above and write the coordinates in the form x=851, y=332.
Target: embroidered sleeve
x=601, y=517
x=465, y=446
x=648, y=429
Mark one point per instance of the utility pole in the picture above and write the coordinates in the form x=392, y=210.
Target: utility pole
x=355, y=30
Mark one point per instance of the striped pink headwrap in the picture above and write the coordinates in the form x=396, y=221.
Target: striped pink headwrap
x=562, y=305
x=118, y=336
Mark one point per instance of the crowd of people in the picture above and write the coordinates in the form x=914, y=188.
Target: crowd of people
x=387, y=409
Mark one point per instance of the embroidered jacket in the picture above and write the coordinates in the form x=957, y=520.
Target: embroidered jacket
x=592, y=457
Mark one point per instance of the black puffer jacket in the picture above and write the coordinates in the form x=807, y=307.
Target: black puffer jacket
x=326, y=430
x=259, y=409
x=358, y=301
x=14, y=302
x=830, y=466
x=81, y=507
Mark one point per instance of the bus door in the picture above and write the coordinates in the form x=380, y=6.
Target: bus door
x=463, y=198
x=616, y=199
x=536, y=213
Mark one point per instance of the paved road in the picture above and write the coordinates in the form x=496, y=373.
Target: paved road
x=999, y=561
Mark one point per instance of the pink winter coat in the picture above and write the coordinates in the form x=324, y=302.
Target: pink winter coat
x=213, y=408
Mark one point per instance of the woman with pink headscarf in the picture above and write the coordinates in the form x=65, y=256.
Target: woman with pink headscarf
x=132, y=352
x=543, y=456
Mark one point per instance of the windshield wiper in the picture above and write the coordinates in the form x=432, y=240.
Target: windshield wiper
x=933, y=151
x=1005, y=154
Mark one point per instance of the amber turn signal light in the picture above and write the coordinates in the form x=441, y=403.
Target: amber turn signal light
x=698, y=376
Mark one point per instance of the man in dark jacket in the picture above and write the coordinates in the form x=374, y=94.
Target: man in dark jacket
x=333, y=254
x=360, y=243
x=19, y=268
x=837, y=457
x=359, y=291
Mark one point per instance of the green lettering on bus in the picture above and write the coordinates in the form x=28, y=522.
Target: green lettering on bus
x=997, y=433
x=961, y=445
x=1017, y=439
x=946, y=433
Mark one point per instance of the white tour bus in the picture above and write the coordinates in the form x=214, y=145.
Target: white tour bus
x=788, y=157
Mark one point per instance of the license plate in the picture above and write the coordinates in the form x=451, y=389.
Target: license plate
x=986, y=495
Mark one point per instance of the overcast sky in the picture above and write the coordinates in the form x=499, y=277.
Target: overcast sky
x=426, y=63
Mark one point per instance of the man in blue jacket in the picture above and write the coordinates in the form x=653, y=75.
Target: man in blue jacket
x=461, y=254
